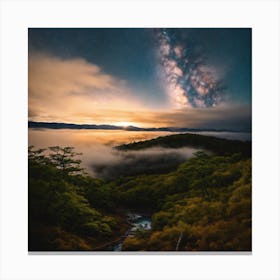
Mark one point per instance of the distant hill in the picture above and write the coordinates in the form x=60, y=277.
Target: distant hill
x=214, y=144
x=56, y=125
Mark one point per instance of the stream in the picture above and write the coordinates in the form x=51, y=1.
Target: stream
x=137, y=222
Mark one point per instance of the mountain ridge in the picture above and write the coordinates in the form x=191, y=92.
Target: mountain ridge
x=58, y=125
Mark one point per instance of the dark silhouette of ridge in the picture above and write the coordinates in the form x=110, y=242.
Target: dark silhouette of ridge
x=56, y=125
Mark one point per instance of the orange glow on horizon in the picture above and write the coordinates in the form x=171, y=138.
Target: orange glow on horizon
x=126, y=124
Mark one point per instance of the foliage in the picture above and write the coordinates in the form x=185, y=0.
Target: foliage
x=211, y=210
x=57, y=198
x=214, y=144
x=205, y=204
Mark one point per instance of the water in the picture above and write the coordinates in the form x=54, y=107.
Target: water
x=100, y=159
x=142, y=223
x=138, y=222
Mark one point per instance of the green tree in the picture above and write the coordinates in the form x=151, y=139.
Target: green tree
x=37, y=156
x=63, y=158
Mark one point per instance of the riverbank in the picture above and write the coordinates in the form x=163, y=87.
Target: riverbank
x=137, y=222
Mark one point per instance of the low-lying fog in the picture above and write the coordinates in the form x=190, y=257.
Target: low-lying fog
x=113, y=163
x=99, y=157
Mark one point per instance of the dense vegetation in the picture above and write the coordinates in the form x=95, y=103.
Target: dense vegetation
x=214, y=144
x=67, y=210
x=205, y=204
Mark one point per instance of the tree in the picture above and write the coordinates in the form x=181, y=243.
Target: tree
x=37, y=155
x=63, y=158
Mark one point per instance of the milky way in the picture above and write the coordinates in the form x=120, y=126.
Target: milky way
x=189, y=80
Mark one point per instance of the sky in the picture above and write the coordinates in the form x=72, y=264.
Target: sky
x=163, y=77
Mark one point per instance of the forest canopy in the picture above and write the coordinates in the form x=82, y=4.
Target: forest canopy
x=202, y=205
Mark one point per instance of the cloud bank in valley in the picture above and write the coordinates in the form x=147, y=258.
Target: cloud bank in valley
x=158, y=160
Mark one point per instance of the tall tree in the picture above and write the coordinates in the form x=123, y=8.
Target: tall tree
x=63, y=158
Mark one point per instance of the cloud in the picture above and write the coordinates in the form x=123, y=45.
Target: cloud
x=65, y=88
x=224, y=116
x=76, y=91
x=129, y=163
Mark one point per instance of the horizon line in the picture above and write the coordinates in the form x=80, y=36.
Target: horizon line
x=61, y=125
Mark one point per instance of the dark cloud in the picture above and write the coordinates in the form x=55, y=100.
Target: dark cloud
x=234, y=117
x=224, y=116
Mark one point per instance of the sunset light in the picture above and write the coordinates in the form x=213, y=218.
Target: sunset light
x=125, y=124
x=139, y=139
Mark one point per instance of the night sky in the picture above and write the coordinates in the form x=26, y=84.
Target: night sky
x=191, y=77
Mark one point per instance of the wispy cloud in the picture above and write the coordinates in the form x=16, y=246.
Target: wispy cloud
x=77, y=91
x=66, y=88
x=224, y=116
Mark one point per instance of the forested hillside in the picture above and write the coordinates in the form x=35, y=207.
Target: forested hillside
x=204, y=205
x=211, y=143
